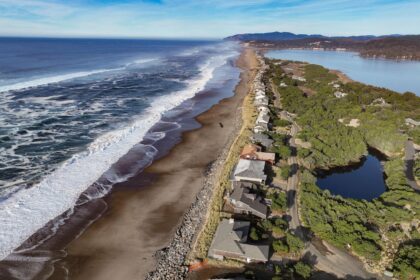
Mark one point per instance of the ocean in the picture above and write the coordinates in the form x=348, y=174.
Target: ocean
x=71, y=108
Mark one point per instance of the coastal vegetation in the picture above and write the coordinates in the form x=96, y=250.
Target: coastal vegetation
x=340, y=129
x=407, y=261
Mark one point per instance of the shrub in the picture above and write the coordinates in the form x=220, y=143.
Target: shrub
x=303, y=270
x=281, y=123
x=407, y=261
x=295, y=243
x=254, y=235
x=278, y=201
x=280, y=247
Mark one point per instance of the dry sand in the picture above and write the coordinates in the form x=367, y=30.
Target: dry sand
x=139, y=221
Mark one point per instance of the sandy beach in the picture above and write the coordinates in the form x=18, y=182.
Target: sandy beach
x=144, y=212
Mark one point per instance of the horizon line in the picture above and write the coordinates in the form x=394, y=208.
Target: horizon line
x=109, y=37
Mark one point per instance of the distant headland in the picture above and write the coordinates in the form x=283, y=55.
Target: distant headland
x=394, y=46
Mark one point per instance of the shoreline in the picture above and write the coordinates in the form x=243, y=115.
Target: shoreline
x=143, y=214
x=171, y=261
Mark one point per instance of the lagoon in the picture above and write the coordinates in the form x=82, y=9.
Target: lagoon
x=400, y=76
x=364, y=180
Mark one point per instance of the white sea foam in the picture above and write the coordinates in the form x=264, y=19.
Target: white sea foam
x=28, y=210
x=53, y=79
x=70, y=76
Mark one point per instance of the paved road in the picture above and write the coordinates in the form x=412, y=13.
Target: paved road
x=331, y=260
x=409, y=164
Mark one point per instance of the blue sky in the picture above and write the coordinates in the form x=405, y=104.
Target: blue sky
x=205, y=18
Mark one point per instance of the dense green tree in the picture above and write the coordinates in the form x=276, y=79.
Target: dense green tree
x=294, y=243
x=302, y=269
x=407, y=262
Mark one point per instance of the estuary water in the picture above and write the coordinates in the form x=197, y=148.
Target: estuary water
x=400, y=76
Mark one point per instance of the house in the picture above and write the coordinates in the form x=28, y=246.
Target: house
x=340, y=94
x=283, y=84
x=267, y=157
x=262, y=139
x=261, y=127
x=230, y=241
x=260, y=92
x=260, y=96
x=380, y=102
x=253, y=152
x=298, y=78
x=261, y=101
x=250, y=171
x=248, y=185
x=263, y=108
x=411, y=122
x=263, y=118
x=244, y=201
x=249, y=151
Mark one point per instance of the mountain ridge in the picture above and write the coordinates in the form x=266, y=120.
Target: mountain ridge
x=284, y=36
x=393, y=46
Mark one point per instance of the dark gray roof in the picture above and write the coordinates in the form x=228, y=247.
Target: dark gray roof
x=230, y=237
x=252, y=201
x=263, y=139
x=248, y=185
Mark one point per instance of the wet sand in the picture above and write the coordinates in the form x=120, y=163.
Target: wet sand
x=144, y=212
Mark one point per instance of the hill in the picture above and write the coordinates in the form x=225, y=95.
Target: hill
x=389, y=46
x=271, y=36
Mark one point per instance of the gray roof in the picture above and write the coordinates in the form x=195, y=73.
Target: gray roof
x=230, y=237
x=248, y=185
x=252, y=201
x=263, y=117
x=263, y=139
x=250, y=169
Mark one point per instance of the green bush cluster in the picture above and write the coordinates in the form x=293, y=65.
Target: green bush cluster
x=289, y=244
x=278, y=201
x=407, y=262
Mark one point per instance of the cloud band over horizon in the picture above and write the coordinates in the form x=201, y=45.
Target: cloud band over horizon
x=205, y=18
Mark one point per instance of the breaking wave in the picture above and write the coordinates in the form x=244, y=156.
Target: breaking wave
x=29, y=209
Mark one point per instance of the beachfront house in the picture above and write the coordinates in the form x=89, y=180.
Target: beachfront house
x=260, y=128
x=263, y=117
x=250, y=171
x=230, y=241
x=261, y=101
x=243, y=201
x=253, y=152
x=259, y=92
x=263, y=108
x=262, y=139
